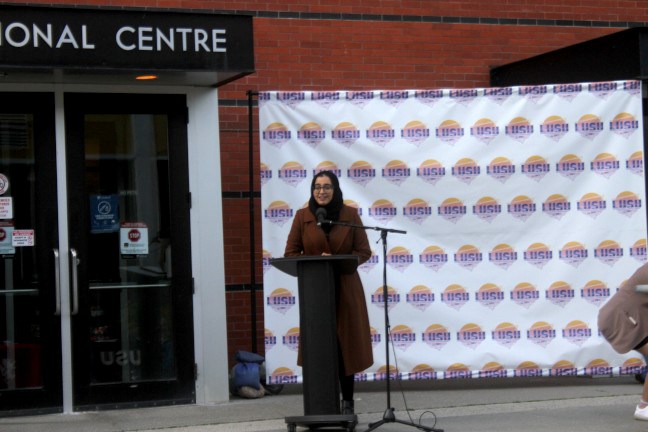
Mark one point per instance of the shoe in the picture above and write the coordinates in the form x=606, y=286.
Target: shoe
x=641, y=413
x=347, y=408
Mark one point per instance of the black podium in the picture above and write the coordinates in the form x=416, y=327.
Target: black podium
x=318, y=337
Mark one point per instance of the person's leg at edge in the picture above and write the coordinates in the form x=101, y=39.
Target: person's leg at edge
x=641, y=412
x=346, y=386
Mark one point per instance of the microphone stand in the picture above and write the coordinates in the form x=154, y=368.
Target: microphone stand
x=389, y=416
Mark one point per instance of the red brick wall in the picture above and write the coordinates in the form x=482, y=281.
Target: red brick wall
x=370, y=44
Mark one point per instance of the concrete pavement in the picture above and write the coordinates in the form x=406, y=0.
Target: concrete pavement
x=570, y=404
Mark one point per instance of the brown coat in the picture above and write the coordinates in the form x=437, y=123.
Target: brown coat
x=306, y=238
x=623, y=320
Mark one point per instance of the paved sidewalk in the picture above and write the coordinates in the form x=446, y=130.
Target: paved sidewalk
x=570, y=404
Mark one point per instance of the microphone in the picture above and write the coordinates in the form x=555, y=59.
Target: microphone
x=320, y=213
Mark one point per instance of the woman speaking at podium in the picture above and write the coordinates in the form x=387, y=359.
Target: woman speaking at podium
x=308, y=237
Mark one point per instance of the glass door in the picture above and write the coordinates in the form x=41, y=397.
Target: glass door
x=128, y=215
x=30, y=338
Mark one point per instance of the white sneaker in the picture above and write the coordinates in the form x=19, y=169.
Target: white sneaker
x=641, y=413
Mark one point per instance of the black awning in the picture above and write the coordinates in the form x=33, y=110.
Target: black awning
x=618, y=56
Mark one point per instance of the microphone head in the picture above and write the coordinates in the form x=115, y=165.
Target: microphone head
x=320, y=213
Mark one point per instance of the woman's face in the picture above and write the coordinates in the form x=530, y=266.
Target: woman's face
x=323, y=190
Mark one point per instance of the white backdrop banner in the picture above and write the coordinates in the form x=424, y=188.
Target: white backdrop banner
x=524, y=211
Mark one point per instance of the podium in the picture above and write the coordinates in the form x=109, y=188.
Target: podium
x=316, y=276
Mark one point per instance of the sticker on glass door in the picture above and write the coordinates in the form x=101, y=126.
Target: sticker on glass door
x=133, y=240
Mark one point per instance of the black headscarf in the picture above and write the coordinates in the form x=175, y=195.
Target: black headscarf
x=333, y=208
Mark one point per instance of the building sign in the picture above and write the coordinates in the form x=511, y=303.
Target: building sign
x=85, y=39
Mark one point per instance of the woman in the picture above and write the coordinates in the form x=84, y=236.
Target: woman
x=307, y=238
x=623, y=321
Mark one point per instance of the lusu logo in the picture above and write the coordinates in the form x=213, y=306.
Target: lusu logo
x=345, y=133
x=396, y=172
x=589, y=126
x=455, y=296
x=291, y=99
x=487, y=208
x=608, y=252
x=506, y=334
x=536, y=167
x=464, y=96
x=431, y=171
x=591, y=204
x=452, y=209
x=556, y=206
x=521, y=207
x=533, y=93
x=394, y=98
x=380, y=133
x=501, y=169
x=519, y=129
x=525, y=294
x=471, y=335
x=276, y=134
x=325, y=98
x=595, y=292
x=624, y=124
x=568, y=91
x=573, y=253
x=361, y=172
x=417, y=210
x=359, y=98
x=577, y=332
x=503, y=256
x=468, y=256
x=420, y=297
x=560, y=293
x=498, y=94
x=415, y=132
x=399, y=258
x=538, y=254
x=436, y=336
x=603, y=90
x=292, y=173
x=311, y=133
x=634, y=163
x=378, y=297
x=449, y=132
x=428, y=97
x=626, y=203
x=382, y=210
x=493, y=370
x=466, y=170
x=563, y=368
x=554, y=127
x=433, y=257
x=605, y=164
x=638, y=250
x=570, y=166
x=484, y=130
x=489, y=295
x=541, y=333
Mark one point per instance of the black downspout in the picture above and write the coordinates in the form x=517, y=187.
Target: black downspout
x=253, y=315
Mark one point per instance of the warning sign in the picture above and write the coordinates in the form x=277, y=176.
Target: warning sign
x=133, y=239
x=22, y=238
x=6, y=208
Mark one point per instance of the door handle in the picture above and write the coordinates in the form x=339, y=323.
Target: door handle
x=75, y=282
x=57, y=282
